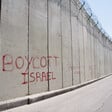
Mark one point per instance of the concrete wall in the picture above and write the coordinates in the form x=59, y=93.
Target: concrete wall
x=47, y=45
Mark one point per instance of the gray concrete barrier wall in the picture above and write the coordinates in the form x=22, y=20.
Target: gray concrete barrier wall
x=47, y=45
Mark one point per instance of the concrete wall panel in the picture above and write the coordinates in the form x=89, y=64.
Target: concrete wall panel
x=81, y=44
x=92, y=53
x=95, y=56
x=105, y=60
x=75, y=46
x=55, y=49
x=13, y=49
x=87, y=54
x=98, y=58
x=66, y=43
x=38, y=47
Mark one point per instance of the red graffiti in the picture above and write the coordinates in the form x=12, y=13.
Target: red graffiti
x=37, y=77
x=76, y=69
x=23, y=62
x=19, y=62
x=7, y=61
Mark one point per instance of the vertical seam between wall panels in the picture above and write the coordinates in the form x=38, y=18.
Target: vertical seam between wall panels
x=90, y=51
x=78, y=45
x=0, y=9
x=78, y=50
x=28, y=43
x=104, y=55
x=103, y=58
x=71, y=41
x=48, y=40
x=93, y=52
x=95, y=55
x=61, y=41
x=83, y=47
x=90, y=65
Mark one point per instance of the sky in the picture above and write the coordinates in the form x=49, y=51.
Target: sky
x=103, y=10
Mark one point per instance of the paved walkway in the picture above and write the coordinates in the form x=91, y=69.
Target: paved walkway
x=96, y=97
